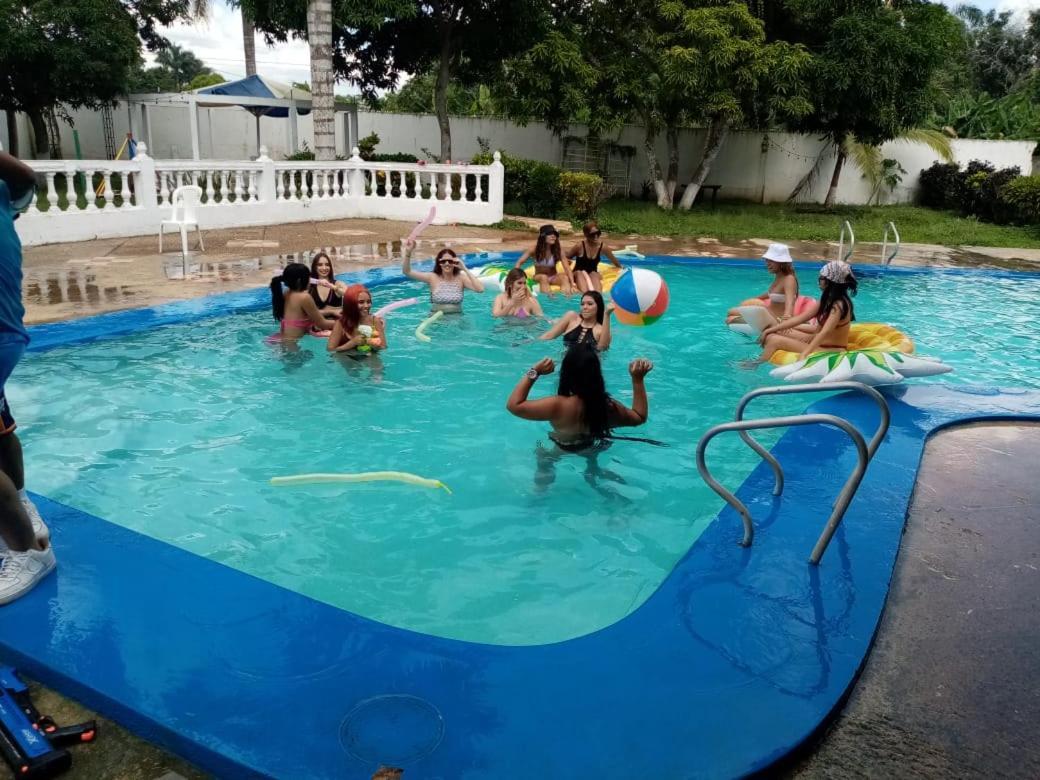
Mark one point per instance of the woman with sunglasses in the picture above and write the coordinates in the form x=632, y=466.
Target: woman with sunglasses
x=448, y=280
x=548, y=255
x=587, y=255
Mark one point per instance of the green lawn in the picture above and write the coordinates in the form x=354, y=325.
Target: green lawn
x=735, y=221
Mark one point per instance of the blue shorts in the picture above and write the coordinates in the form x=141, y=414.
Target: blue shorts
x=10, y=354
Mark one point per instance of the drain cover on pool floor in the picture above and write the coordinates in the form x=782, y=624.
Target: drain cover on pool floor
x=392, y=729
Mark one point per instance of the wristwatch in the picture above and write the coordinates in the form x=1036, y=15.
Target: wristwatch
x=532, y=374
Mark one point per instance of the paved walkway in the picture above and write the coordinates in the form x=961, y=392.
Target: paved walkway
x=63, y=281
x=952, y=687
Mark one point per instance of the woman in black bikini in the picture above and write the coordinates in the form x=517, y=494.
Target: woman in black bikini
x=589, y=328
x=582, y=412
x=328, y=294
x=586, y=255
x=547, y=254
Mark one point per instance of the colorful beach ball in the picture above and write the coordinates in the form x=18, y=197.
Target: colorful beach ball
x=641, y=297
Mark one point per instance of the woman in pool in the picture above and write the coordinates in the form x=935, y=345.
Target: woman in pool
x=448, y=281
x=586, y=255
x=782, y=296
x=328, y=293
x=834, y=315
x=548, y=256
x=356, y=330
x=516, y=300
x=581, y=413
x=296, y=312
x=590, y=327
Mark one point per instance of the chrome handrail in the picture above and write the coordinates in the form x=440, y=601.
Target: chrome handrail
x=842, y=254
x=886, y=259
x=844, y=498
x=778, y=472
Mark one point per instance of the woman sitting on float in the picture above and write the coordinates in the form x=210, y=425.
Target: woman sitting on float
x=781, y=299
x=834, y=316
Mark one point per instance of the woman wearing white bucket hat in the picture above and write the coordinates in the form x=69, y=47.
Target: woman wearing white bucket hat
x=781, y=299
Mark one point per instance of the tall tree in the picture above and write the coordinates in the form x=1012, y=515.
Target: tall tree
x=872, y=71
x=183, y=65
x=323, y=23
x=56, y=52
x=248, y=42
x=461, y=42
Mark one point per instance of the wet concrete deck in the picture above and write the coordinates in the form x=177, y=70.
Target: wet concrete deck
x=952, y=686
x=64, y=281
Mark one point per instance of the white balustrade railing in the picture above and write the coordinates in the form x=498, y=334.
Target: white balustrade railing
x=85, y=199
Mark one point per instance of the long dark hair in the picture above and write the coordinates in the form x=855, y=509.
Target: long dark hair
x=543, y=243
x=837, y=293
x=437, y=261
x=314, y=266
x=295, y=276
x=600, y=308
x=582, y=375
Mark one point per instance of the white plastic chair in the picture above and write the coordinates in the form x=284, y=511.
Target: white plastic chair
x=185, y=201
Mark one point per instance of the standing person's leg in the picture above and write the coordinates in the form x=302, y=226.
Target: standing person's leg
x=27, y=557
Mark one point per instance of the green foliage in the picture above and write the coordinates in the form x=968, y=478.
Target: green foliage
x=978, y=191
x=532, y=184
x=206, y=80
x=367, y=146
x=417, y=97
x=1014, y=116
x=583, y=193
x=182, y=65
x=937, y=185
x=737, y=221
x=1022, y=198
x=873, y=64
x=57, y=52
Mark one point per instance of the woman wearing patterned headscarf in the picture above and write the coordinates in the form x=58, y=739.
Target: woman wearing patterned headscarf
x=834, y=315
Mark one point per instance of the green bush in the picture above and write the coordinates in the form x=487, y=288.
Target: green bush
x=583, y=193
x=1021, y=197
x=534, y=184
x=938, y=186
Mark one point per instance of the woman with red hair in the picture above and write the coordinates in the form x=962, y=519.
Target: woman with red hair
x=356, y=330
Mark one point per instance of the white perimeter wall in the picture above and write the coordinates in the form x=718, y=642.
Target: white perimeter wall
x=743, y=168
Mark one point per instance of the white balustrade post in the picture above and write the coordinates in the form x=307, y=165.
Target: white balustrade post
x=356, y=177
x=497, y=188
x=145, y=192
x=266, y=186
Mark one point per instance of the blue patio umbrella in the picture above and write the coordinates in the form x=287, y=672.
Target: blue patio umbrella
x=259, y=87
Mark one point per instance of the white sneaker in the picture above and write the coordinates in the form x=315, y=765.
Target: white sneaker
x=40, y=529
x=20, y=571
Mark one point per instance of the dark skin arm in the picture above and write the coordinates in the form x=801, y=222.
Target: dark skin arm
x=18, y=176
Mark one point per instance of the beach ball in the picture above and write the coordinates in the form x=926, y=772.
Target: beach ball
x=641, y=297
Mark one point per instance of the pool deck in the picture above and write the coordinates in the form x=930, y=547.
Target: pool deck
x=91, y=277
x=965, y=607
x=739, y=657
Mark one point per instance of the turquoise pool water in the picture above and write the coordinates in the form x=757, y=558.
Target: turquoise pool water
x=175, y=432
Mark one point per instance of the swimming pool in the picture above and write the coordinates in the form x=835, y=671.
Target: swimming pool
x=174, y=432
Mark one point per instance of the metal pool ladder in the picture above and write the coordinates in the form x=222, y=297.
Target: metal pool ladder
x=865, y=452
x=886, y=258
x=846, y=227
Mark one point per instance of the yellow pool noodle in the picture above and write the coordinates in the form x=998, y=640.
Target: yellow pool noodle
x=368, y=476
x=420, y=331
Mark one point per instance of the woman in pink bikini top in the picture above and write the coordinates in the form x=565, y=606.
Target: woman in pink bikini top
x=295, y=310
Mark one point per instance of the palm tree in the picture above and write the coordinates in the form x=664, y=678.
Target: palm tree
x=200, y=10
x=319, y=37
x=868, y=158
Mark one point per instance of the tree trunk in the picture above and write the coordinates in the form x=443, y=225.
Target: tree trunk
x=718, y=129
x=39, y=128
x=672, y=179
x=319, y=36
x=832, y=191
x=440, y=92
x=249, y=43
x=650, y=145
x=12, y=133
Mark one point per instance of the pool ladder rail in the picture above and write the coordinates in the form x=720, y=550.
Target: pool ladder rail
x=865, y=451
x=886, y=258
x=846, y=227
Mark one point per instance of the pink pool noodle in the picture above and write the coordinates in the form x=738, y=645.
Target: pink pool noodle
x=396, y=305
x=422, y=225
